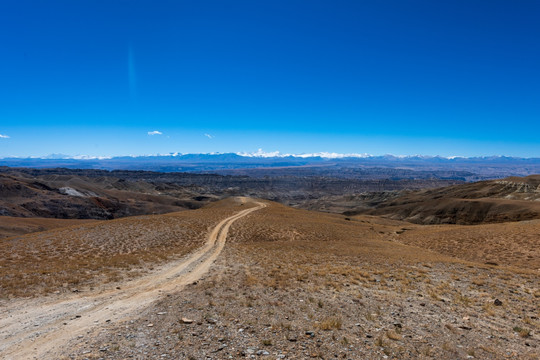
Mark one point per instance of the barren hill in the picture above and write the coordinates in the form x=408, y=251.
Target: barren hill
x=12, y=226
x=510, y=199
x=80, y=197
x=100, y=194
x=292, y=184
x=285, y=283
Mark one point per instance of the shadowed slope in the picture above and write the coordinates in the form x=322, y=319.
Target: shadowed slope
x=79, y=197
x=511, y=199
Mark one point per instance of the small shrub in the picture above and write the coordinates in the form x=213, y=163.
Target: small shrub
x=330, y=323
x=522, y=332
x=392, y=335
x=267, y=342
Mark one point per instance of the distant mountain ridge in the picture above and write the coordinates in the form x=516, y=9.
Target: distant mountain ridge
x=489, y=167
x=276, y=155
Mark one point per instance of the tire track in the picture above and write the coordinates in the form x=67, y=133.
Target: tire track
x=37, y=329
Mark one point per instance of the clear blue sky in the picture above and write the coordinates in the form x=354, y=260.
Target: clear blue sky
x=401, y=77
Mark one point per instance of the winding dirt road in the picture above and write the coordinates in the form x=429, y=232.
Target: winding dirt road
x=40, y=328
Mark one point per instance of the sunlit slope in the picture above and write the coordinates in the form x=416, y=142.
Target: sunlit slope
x=510, y=199
x=103, y=251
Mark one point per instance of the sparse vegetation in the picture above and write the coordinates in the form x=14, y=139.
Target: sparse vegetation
x=313, y=285
x=522, y=331
x=329, y=324
x=393, y=335
x=61, y=260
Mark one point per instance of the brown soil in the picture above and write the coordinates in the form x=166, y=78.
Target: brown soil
x=297, y=284
x=80, y=197
x=80, y=257
x=35, y=329
x=514, y=244
x=510, y=199
x=12, y=226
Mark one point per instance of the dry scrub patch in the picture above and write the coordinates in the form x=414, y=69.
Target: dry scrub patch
x=296, y=285
x=78, y=257
x=14, y=226
x=508, y=244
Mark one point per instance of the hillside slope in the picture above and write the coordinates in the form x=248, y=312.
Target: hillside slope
x=288, y=283
x=80, y=197
x=510, y=199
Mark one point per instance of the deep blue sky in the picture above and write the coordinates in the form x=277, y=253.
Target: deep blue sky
x=400, y=77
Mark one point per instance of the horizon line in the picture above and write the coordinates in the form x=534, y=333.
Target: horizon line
x=263, y=154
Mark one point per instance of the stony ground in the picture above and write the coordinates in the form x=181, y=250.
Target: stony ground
x=294, y=285
x=16, y=226
x=86, y=256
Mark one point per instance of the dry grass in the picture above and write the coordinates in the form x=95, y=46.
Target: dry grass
x=16, y=226
x=514, y=244
x=315, y=285
x=523, y=332
x=393, y=335
x=355, y=260
x=489, y=309
x=329, y=324
x=101, y=251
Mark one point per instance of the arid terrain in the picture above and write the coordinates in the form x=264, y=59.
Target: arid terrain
x=11, y=226
x=248, y=278
x=493, y=201
x=36, y=329
x=55, y=195
x=269, y=180
x=100, y=194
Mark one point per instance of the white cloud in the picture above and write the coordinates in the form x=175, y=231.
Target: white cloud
x=209, y=136
x=4, y=136
x=155, y=132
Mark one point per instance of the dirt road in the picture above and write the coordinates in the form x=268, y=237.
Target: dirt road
x=40, y=328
